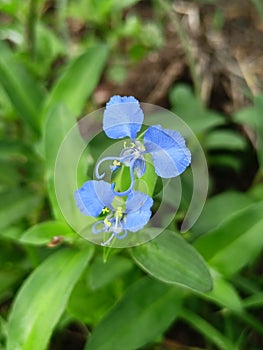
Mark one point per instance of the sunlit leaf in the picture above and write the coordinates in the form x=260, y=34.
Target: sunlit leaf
x=42, y=299
x=45, y=232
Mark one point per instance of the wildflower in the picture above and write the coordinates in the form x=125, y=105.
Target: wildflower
x=123, y=117
x=116, y=216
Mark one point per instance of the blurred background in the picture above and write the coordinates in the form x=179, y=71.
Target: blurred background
x=201, y=59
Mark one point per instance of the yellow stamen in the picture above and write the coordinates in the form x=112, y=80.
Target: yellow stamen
x=105, y=210
x=107, y=222
x=116, y=163
x=124, y=144
x=132, y=145
x=119, y=212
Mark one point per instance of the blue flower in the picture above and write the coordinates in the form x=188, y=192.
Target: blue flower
x=96, y=198
x=123, y=117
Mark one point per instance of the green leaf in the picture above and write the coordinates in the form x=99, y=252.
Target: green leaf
x=223, y=294
x=79, y=80
x=171, y=259
x=256, y=191
x=43, y=233
x=15, y=204
x=225, y=139
x=22, y=89
x=56, y=130
x=253, y=301
x=42, y=299
x=191, y=110
x=218, y=208
x=144, y=312
x=97, y=303
x=101, y=273
x=205, y=328
x=48, y=47
x=236, y=242
x=148, y=181
x=145, y=184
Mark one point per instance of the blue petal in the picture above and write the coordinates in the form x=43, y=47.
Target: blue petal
x=169, y=152
x=93, y=196
x=139, y=167
x=138, y=211
x=123, y=117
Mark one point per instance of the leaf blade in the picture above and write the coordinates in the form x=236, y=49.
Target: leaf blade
x=78, y=81
x=43, y=233
x=38, y=307
x=171, y=259
x=24, y=92
x=147, y=314
x=236, y=242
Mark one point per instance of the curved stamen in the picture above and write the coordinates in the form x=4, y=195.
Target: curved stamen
x=125, y=193
x=94, y=227
x=100, y=176
x=116, y=230
x=120, y=236
x=119, y=159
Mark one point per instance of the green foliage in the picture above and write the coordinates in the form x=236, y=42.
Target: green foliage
x=194, y=113
x=29, y=329
x=15, y=204
x=51, y=277
x=22, y=89
x=170, y=259
x=146, y=316
x=78, y=81
x=44, y=232
x=241, y=232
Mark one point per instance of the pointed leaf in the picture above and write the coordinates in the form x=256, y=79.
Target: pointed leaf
x=42, y=299
x=171, y=259
x=79, y=80
x=44, y=232
x=223, y=294
x=235, y=243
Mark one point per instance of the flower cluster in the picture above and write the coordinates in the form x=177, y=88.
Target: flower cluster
x=121, y=211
